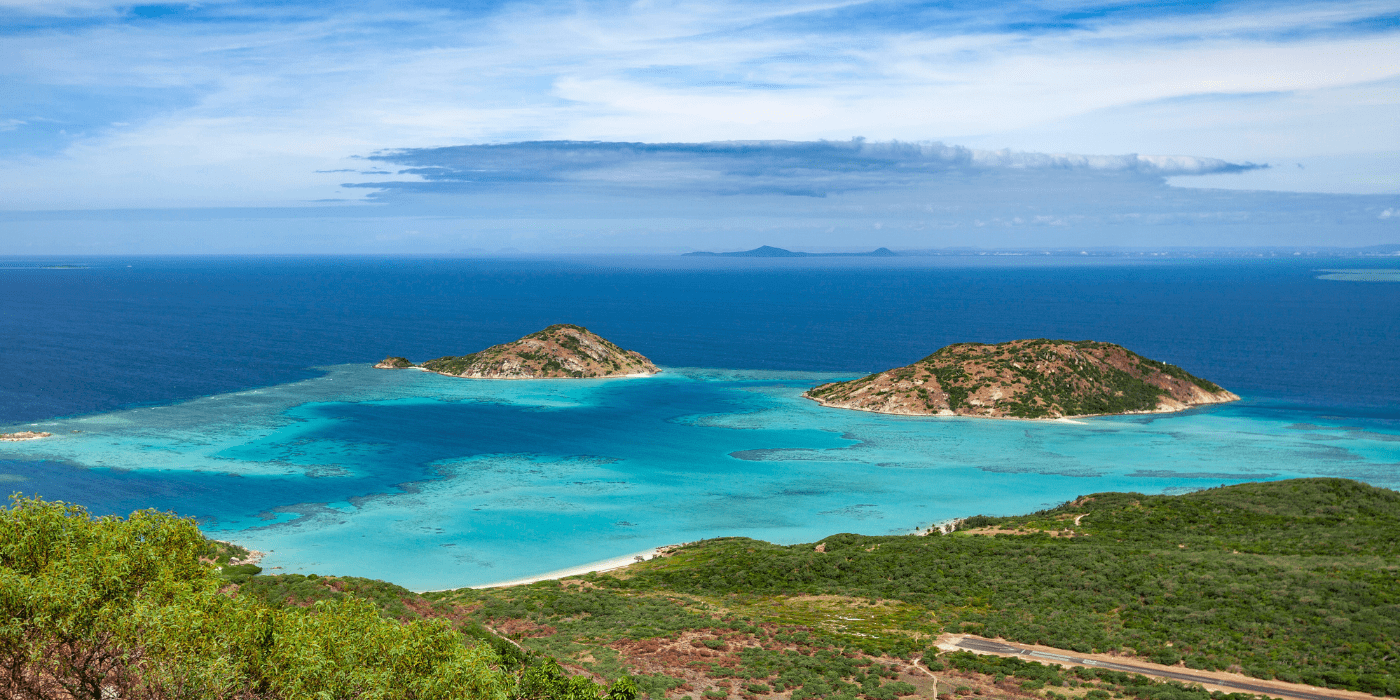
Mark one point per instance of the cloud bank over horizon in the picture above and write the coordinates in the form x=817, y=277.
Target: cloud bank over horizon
x=572, y=196
x=807, y=168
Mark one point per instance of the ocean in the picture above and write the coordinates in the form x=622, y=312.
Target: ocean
x=238, y=391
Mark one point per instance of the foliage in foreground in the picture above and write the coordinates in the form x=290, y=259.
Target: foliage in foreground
x=92, y=607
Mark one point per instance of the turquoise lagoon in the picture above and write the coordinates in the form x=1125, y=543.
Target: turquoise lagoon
x=434, y=482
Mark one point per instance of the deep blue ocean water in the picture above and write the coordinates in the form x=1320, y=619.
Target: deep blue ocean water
x=238, y=391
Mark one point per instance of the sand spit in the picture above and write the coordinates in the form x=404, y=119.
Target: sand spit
x=613, y=564
x=23, y=435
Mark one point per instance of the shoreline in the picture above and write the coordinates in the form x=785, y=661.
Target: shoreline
x=623, y=561
x=254, y=556
x=635, y=375
x=1059, y=419
x=602, y=565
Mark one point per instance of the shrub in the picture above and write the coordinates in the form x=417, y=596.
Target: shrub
x=96, y=605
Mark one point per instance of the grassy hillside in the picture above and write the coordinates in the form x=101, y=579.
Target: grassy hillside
x=1296, y=580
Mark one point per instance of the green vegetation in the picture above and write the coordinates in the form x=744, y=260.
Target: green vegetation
x=569, y=341
x=1296, y=580
x=954, y=381
x=1071, y=389
x=395, y=362
x=689, y=643
x=94, y=608
x=452, y=365
x=1022, y=379
x=1102, y=683
x=284, y=590
x=542, y=363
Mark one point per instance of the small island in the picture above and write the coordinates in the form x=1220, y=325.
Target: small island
x=561, y=351
x=1029, y=379
x=23, y=435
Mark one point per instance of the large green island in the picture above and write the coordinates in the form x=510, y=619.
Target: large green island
x=1293, y=584
x=1025, y=379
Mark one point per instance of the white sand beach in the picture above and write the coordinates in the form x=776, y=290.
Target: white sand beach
x=604, y=565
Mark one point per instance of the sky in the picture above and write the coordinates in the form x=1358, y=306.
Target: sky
x=651, y=126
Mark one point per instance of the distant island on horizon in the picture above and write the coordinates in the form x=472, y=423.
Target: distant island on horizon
x=1373, y=251
x=769, y=251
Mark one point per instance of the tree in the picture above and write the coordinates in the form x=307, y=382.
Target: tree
x=92, y=606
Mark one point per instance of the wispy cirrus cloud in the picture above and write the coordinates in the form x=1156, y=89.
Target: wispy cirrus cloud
x=259, y=103
x=59, y=8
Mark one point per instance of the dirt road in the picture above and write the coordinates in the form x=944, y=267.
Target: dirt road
x=1209, y=679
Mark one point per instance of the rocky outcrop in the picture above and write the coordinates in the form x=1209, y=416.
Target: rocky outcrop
x=559, y=351
x=392, y=362
x=23, y=435
x=1026, y=379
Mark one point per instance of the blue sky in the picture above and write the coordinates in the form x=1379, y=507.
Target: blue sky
x=426, y=127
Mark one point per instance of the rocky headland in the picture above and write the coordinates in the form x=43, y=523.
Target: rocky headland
x=559, y=351
x=1026, y=379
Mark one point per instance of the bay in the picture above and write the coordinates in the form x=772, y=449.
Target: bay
x=238, y=391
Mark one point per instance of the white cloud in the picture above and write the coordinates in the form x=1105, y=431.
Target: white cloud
x=60, y=8
x=801, y=168
x=278, y=100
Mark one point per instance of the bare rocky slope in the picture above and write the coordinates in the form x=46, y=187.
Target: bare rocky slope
x=1025, y=379
x=559, y=351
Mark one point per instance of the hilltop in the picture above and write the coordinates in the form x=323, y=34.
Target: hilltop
x=559, y=351
x=1026, y=379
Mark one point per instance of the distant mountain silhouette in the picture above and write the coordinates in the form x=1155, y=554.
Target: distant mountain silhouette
x=769, y=251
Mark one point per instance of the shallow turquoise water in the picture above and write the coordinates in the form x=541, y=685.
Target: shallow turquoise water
x=434, y=482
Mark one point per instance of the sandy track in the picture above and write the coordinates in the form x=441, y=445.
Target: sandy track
x=1211, y=680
